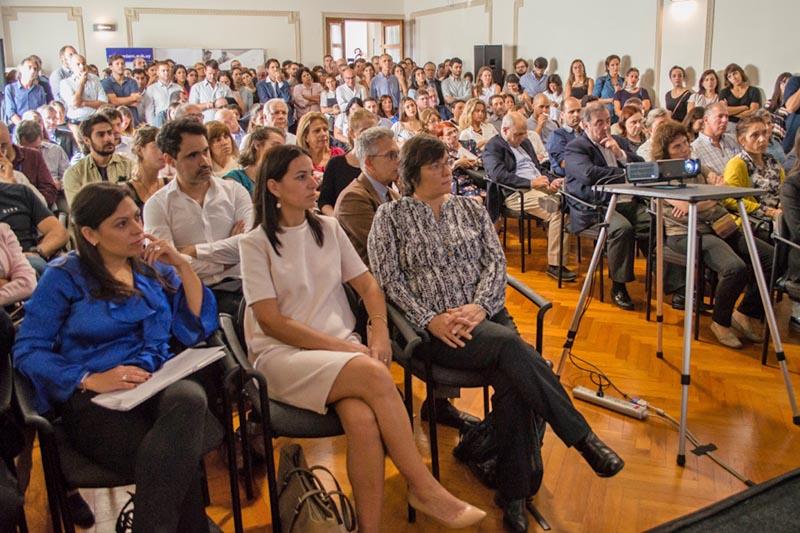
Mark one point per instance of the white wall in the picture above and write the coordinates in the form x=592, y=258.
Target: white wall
x=45, y=33
x=761, y=38
x=652, y=35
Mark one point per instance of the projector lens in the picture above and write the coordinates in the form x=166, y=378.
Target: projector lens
x=691, y=167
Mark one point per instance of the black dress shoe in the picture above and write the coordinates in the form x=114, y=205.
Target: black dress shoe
x=448, y=415
x=79, y=510
x=603, y=460
x=515, y=516
x=679, y=303
x=621, y=298
x=566, y=274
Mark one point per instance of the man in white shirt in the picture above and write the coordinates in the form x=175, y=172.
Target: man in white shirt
x=201, y=215
x=713, y=146
x=276, y=114
x=454, y=87
x=81, y=92
x=349, y=90
x=209, y=93
x=159, y=95
x=63, y=72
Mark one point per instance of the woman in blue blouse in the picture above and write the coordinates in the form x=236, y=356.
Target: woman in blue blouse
x=607, y=85
x=101, y=320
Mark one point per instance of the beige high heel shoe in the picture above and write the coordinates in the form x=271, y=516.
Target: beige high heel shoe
x=468, y=517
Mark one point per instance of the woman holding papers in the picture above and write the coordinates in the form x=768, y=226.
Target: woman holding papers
x=299, y=331
x=101, y=320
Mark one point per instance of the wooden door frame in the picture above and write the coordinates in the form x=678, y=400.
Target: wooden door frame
x=361, y=17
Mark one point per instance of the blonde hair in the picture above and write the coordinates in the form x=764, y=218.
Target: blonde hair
x=304, y=125
x=465, y=121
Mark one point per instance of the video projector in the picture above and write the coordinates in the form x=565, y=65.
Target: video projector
x=660, y=173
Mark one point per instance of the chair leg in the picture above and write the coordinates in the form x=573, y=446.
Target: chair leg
x=649, y=272
x=505, y=232
x=560, y=250
x=485, y=401
x=770, y=295
x=53, y=499
x=408, y=399
x=431, y=392
x=578, y=239
x=204, y=483
x=530, y=232
x=247, y=448
x=521, y=227
x=601, y=274
x=22, y=523
x=233, y=470
x=700, y=290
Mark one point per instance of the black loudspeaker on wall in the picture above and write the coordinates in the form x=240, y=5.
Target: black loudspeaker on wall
x=490, y=55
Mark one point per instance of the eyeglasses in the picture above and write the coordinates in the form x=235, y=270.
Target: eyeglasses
x=391, y=156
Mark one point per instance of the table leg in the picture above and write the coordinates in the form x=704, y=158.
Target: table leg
x=587, y=284
x=769, y=312
x=659, y=277
x=691, y=258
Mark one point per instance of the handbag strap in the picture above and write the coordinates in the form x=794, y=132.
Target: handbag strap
x=347, y=513
x=307, y=497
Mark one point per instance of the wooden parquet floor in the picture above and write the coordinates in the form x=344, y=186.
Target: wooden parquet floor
x=735, y=403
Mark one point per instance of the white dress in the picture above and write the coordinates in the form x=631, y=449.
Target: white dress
x=307, y=282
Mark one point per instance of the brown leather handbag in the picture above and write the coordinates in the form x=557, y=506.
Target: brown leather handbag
x=305, y=505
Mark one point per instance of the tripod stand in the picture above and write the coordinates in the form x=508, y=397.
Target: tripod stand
x=691, y=194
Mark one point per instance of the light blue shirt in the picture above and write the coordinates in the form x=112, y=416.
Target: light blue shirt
x=525, y=167
x=533, y=85
x=380, y=188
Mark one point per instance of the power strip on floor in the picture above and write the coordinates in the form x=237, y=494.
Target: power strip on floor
x=618, y=405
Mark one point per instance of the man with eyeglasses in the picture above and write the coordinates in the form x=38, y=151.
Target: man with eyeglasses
x=349, y=90
x=379, y=158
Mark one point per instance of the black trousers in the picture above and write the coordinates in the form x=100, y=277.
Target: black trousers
x=628, y=224
x=159, y=443
x=523, y=384
x=730, y=259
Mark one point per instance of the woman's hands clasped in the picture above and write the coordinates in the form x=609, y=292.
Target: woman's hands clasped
x=455, y=325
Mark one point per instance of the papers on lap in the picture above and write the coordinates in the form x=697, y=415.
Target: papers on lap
x=184, y=364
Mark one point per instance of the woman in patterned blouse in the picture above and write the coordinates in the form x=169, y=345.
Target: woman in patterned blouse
x=438, y=258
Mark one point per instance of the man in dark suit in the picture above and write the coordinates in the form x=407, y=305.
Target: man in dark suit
x=275, y=87
x=509, y=159
x=430, y=78
x=596, y=156
x=378, y=156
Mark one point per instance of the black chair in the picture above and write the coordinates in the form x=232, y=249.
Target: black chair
x=591, y=233
x=777, y=287
x=277, y=419
x=65, y=468
x=523, y=219
x=406, y=339
x=10, y=436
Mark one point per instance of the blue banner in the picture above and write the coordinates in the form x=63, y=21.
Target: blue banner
x=130, y=54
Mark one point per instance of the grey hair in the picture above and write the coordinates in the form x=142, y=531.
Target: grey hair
x=28, y=131
x=711, y=108
x=655, y=114
x=592, y=109
x=365, y=143
x=274, y=101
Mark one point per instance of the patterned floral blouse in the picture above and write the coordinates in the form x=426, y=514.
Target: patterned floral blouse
x=427, y=266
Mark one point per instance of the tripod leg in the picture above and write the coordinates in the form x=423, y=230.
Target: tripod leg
x=587, y=283
x=769, y=312
x=691, y=252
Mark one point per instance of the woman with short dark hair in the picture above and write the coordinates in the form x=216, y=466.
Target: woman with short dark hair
x=743, y=99
x=101, y=320
x=300, y=332
x=438, y=258
x=707, y=91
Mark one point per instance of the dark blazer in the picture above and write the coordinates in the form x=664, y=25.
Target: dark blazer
x=501, y=166
x=265, y=92
x=585, y=165
x=790, y=203
x=355, y=208
x=64, y=138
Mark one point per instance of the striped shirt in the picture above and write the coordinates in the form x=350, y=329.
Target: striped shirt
x=712, y=157
x=427, y=266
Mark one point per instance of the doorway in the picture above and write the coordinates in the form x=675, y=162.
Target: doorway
x=345, y=38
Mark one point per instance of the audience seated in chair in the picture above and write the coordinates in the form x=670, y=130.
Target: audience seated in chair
x=459, y=297
x=201, y=215
x=313, y=135
x=540, y=120
x=73, y=345
x=146, y=181
x=509, y=160
x=790, y=205
x=276, y=87
x=714, y=146
x=30, y=162
x=299, y=331
x=595, y=156
x=570, y=127
x=17, y=275
x=455, y=87
x=256, y=143
x=276, y=114
x=724, y=251
x=102, y=163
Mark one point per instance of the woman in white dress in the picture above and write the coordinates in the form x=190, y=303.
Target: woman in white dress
x=299, y=331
